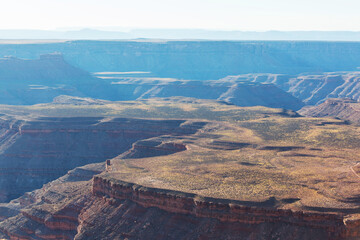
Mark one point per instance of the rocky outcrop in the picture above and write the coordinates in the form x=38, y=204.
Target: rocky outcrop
x=346, y=109
x=106, y=208
x=223, y=210
x=153, y=147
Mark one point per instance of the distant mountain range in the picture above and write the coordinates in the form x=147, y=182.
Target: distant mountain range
x=89, y=33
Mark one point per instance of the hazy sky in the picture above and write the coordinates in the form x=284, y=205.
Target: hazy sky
x=203, y=14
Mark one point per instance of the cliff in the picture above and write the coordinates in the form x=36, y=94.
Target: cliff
x=312, y=89
x=251, y=213
x=107, y=208
x=240, y=93
x=37, y=151
x=204, y=60
x=310, y=71
x=230, y=173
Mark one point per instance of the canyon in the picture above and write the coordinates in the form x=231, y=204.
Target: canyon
x=40, y=80
x=222, y=171
x=161, y=139
x=35, y=152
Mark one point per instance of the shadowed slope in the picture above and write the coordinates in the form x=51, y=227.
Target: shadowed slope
x=40, y=80
x=43, y=149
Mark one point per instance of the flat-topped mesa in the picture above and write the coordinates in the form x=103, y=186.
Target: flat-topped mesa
x=221, y=209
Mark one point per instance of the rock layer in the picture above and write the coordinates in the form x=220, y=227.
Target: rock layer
x=223, y=210
x=38, y=151
x=240, y=93
x=111, y=209
x=312, y=89
x=204, y=60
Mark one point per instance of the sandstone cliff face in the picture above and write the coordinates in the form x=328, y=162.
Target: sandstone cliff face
x=44, y=149
x=222, y=210
x=105, y=208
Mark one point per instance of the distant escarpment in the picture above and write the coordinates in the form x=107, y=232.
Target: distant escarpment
x=37, y=151
x=240, y=93
x=200, y=60
x=312, y=89
x=310, y=71
x=41, y=80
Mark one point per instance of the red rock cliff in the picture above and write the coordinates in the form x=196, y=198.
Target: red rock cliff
x=223, y=210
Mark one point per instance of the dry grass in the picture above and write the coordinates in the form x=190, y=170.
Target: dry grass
x=314, y=168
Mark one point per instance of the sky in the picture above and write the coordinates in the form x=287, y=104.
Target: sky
x=246, y=15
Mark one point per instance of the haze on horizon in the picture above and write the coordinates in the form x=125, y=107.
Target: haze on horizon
x=245, y=15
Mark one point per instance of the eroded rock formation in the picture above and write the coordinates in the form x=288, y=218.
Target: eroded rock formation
x=312, y=89
x=38, y=151
x=71, y=208
x=346, y=109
